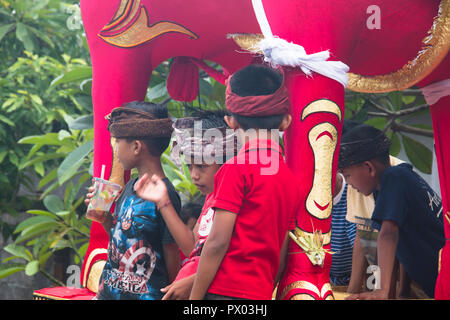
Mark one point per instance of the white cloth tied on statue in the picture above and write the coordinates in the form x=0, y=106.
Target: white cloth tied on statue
x=433, y=92
x=279, y=52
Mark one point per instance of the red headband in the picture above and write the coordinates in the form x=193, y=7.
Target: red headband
x=258, y=106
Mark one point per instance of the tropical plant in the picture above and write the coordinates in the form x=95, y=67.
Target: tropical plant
x=62, y=223
x=393, y=113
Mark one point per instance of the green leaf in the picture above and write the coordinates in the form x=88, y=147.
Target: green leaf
x=377, y=122
x=42, y=213
x=7, y=121
x=82, y=123
x=42, y=35
x=36, y=230
x=4, y=30
x=19, y=251
x=53, y=203
x=205, y=87
x=420, y=156
x=396, y=100
x=32, y=221
x=73, y=161
x=23, y=35
x=157, y=91
x=9, y=271
x=395, y=144
x=32, y=268
x=47, y=139
x=76, y=74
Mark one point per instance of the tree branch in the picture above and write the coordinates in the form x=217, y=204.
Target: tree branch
x=409, y=129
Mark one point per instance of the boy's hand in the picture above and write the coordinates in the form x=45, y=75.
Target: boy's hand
x=89, y=195
x=152, y=189
x=373, y=295
x=179, y=290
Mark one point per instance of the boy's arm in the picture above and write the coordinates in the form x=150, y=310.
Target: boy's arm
x=154, y=189
x=283, y=255
x=214, y=250
x=183, y=236
x=359, y=267
x=386, y=248
x=172, y=259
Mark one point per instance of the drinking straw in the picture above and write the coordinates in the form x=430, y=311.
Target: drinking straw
x=103, y=172
x=102, y=175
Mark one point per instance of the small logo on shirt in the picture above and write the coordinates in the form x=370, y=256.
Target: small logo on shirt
x=206, y=223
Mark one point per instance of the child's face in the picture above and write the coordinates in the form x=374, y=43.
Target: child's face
x=124, y=152
x=361, y=177
x=202, y=176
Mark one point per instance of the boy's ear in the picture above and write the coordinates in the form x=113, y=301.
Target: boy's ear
x=371, y=168
x=137, y=147
x=285, y=123
x=231, y=122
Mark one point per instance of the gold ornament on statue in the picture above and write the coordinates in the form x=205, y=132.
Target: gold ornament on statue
x=312, y=243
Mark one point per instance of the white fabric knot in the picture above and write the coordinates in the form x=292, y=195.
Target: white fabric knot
x=279, y=52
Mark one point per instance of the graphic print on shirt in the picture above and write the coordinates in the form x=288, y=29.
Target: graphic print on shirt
x=131, y=259
x=206, y=223
x=204, y=228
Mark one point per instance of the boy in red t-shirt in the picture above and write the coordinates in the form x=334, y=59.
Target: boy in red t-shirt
x=206, y=143
x=254, y=197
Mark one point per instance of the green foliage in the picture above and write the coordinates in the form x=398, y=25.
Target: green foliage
x=62, y=224
x=392, y=113
x=47, y=27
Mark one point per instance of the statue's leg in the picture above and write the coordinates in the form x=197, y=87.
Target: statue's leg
x=312, y=149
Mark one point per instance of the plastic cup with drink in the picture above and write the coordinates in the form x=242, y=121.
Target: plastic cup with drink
x=105, y=192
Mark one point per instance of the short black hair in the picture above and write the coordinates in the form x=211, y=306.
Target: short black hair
x=257, y=80
x=155, y=146
x=190, y=210
x=348, y=125
x=268, y=122
x=363, y=143
x=211, y=119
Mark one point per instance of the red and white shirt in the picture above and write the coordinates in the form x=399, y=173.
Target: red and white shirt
x=205, y=221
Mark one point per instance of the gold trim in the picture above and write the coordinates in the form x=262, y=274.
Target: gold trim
x=88, y=262
x=94, y=275
x=302, y=296
x=40, y=296
x=141, y=32
x=435, y=48
x=323, y=139
x=306, y=285
x=322, y=105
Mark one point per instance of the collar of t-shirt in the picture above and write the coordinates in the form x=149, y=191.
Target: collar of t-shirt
x=338, y=197
x=258, y=144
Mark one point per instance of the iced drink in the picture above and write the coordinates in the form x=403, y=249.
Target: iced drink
x=105, y=192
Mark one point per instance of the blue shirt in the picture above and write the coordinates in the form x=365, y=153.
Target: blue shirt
x=343, y=235
x=405, y=198
x=135, y=268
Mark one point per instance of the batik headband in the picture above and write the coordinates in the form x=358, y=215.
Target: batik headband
x=131, y=123
x=213, y=145
x=258, y=106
